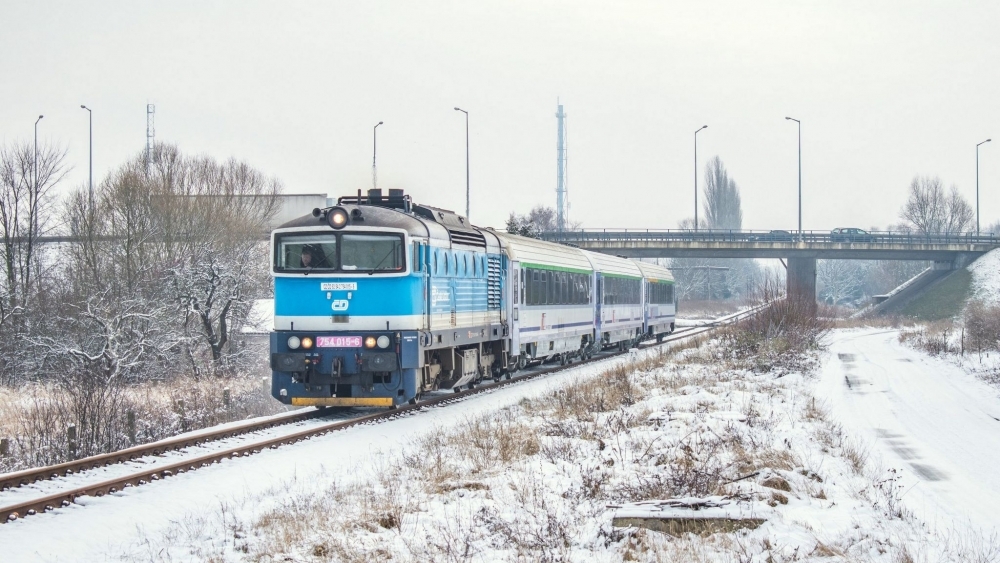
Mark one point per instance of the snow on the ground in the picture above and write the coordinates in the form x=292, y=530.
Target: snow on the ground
x=371, y=492
x=927, y=418
x=986, y=277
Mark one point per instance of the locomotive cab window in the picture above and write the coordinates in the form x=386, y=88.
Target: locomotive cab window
x=341, y=252
x=306, y=253
x=372, y=253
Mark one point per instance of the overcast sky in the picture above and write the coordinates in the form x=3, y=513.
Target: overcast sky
x=885, y=90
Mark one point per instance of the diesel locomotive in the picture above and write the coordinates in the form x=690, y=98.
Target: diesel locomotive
x=378, y=300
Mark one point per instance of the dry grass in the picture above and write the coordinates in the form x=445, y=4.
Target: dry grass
x=35, y=417
x=523, y=483
x=778, y=337
x=933, y=338
x=856, y=455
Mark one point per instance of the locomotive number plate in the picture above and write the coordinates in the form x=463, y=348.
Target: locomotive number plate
x=342, y=286
x=338, y=341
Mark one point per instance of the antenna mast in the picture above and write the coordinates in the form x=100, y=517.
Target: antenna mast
x=561, y=200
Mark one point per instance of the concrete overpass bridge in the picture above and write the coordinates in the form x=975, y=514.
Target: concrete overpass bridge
x=800, y=250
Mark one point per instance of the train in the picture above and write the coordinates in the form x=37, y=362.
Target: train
x=378, y=300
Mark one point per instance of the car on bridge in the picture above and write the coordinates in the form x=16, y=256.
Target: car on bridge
x=772, y=236
x=850, y=234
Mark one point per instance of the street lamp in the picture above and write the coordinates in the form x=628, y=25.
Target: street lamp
x=800, y=172
x=90, y=118
x=466, y=161
x=977, y=184
x=374, y=147
x=696, y=176
x=34, y=163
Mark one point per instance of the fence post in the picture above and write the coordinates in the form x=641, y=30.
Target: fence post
x=130, y=426
x=227, y=398
x=4, y=447
x=267, y=386
x=71, y=440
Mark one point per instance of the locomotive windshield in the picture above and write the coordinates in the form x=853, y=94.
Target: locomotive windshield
x=371, y=252
x=339, y=252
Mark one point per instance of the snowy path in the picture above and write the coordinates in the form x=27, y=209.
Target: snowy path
x=925, y=416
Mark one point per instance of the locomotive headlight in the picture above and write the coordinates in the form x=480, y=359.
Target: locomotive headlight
x=337, y=217
x=383, y=341
x=307, y=342
x=370, y=342
x=294, y=342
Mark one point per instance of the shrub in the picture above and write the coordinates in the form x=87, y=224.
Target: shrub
x=982, y=326
x=778, y=335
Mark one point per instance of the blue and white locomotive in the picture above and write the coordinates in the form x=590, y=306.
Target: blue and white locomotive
x=378, y=300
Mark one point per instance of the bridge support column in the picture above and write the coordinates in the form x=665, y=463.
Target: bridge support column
x=801, y=280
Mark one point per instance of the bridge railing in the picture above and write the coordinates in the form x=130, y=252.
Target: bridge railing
x=716, y=235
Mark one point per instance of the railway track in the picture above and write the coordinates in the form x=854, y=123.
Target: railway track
x=39, y=504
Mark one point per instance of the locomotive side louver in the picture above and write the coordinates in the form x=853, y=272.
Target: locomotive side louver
x=493, y=283
x=468, y=238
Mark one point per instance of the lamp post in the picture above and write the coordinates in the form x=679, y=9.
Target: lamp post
x=34, y=163
x=466, y=161
x=374, y=148
x=90, y=118
x=977, y=184
x=696, y=176
x=800, y=172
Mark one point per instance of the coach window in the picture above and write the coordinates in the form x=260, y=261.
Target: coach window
x=529, y=287
x=532, y=280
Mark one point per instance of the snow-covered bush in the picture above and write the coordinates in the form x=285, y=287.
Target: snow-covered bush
x=776, y=337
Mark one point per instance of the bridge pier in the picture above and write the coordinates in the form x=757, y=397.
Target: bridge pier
x=800, y=278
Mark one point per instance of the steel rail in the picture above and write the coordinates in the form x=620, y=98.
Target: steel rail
x=36, y=474
x=117, y=484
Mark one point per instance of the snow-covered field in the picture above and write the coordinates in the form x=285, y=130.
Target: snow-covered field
x=900, y=465
x=986, y=278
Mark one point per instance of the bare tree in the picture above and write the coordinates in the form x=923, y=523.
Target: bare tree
x=102, y=345
x=885, y=275
x=26, y=201
x=929, y=210
x=540, y=219
x=723, y=209
x=190, y=230
x=26, y=198
x=839, y=280
x=993, y=229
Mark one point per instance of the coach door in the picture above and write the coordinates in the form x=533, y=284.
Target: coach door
x=516, y=301
x=598, y=287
